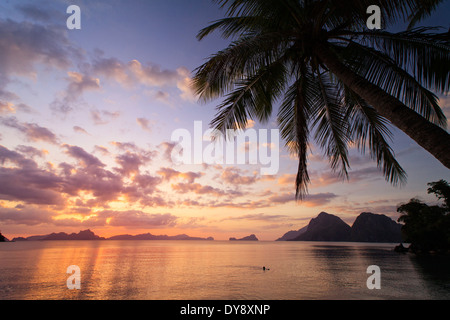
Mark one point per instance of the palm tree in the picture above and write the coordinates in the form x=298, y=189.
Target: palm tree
x=337, y=82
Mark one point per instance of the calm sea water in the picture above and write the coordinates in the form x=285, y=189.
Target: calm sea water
x=173, y=270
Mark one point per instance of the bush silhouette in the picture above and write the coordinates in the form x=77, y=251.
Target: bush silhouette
x=426, y=227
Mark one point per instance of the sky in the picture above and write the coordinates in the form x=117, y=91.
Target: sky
x=87, y=118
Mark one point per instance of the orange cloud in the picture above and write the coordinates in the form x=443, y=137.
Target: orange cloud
x=234, y=176
x=287, y=179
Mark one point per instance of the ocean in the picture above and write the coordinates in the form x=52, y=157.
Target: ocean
x=217, y=270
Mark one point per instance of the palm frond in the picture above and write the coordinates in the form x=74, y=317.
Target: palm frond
x=423, y=9
x=241, y=59
x=293, y=120
x=369, y=129
x=423, y=53
x=252, y=99
x=331, y=126
x=380, y=69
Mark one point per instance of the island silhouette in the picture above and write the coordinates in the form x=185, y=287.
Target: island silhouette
x=89, y=235
x=367, y=227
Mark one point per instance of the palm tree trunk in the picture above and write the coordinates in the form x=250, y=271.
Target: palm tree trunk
x=431, y=137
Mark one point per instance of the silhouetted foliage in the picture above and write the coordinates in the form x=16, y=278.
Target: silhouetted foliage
x=426, y=227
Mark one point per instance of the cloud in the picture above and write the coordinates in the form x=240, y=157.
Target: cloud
x=6, y=107
x=136, y=218
x=23, y=44
x=80, y=130
x=167, y=148
x=77, y=84
x=103, y=150
x=103, y=116
x=126, y=218
x=85, y=158
x=26, y=182
x=184, y=84
x=101, y=186
x=22, y=107
x=310, y=200
x=86, y=182
x=260, y=217
x=9, y=107
x=145, y=124
x=14, y=157
x=30, y=216
x=130, y=162
x=114, y=69
x=147, y=182
x=32, y=131
x=23, y=215
x=169, y=174
x=234, y=176
x=31, y=151
x=30, y=187
x=201, y=189
x=365, y=174
x=162, y=96
x=150, y=75
x=281, y=198
x=326, y=178
x=318, y=199
x=287, y=179
x=124, y=146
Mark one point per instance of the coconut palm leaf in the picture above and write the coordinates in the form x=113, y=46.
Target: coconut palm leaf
x=380, y=69
x=339, y=83
x=370, y=130
x=424, y=54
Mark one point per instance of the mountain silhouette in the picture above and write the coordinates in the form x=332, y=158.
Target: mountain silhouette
x=3, y=238
x=325, y=227
x=149, y=236
x=251, y=237
x=82, y=235
x=367, y=227
x=89, y=235
x=370, y=227
x=292, y=234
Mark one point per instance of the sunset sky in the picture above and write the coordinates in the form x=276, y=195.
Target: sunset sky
x=86, y=118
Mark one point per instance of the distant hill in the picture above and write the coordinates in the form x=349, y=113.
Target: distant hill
x=89, y=235
x=30, y=238
x=292, y=234
x=3, y=238
x=149, y=236
x=325, y=227
x=82, y=235
x=251, y=237
x=368, y=227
